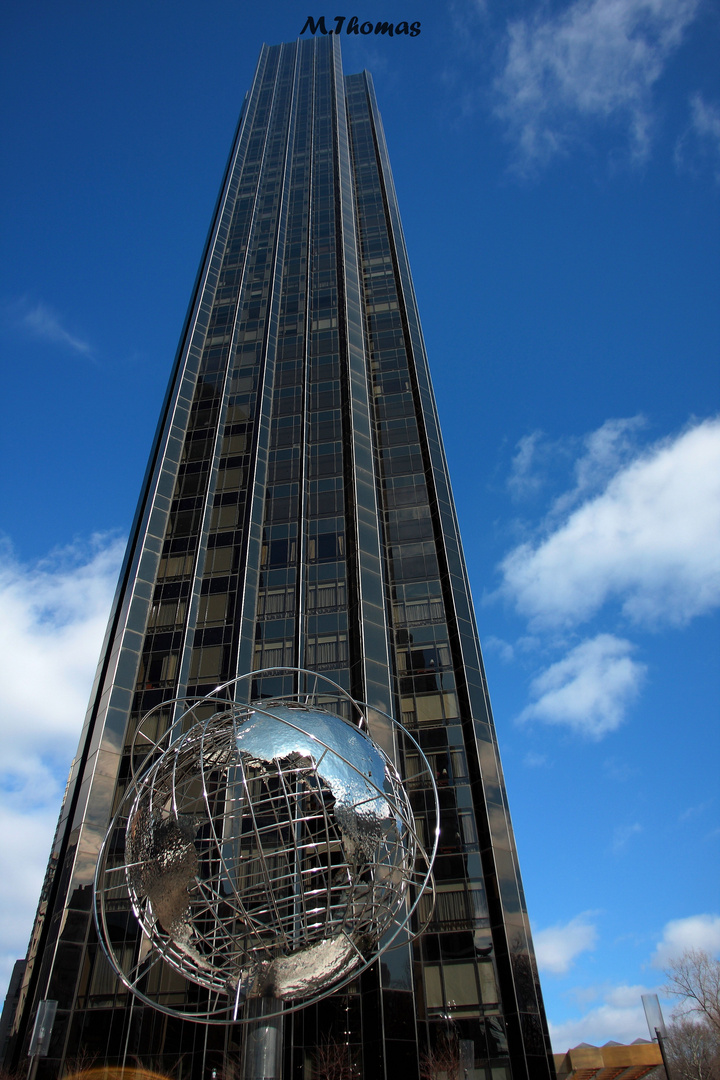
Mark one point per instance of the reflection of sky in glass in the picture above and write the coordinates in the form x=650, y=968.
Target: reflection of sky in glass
x=346, y=759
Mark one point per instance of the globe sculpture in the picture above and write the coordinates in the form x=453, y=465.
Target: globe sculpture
x=268, y=850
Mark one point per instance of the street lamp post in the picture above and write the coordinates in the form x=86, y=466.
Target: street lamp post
x=656, y=1025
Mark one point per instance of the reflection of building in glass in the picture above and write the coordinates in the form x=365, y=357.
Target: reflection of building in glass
x=297, y=511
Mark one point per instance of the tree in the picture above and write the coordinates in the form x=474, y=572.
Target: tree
x=332, y=1061
x=695, y=979
x=693, y=1050
x=443, y=1062
x=693, y=1042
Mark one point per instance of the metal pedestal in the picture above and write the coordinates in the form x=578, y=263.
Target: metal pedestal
x=263, y=1043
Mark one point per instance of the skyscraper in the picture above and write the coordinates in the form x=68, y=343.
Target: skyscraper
x=296, y=511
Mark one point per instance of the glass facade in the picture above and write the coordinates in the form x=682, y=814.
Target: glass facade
x=297, y=512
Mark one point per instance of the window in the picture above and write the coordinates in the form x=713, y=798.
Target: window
x=326, y=547
x=274, y=602
x=488, y=985
x=285, y=432
x=419, y=611
x=326, y=650
x=409, y=523
x=198, y=449
x=325, y=459
x=433, y=986
x=212, y=608
x=192, y=482
x=167, y=613
x=326, y=497
x=460, y=984
x=224, y=517
x=231, y=479
x=451, y=905
x=219, y=560
x=425, y=660
x=405, y=491
x=279, y=552
x=326, y=596
x=206, y=664
x=326, y=426
x=284, y=465
x=234, y=444
x=429, y=708
x=175, y=566
x=157, y=669
x=274, y=654
x=402, y=459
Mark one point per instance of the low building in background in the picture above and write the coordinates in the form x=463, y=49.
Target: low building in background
x=613, y=1061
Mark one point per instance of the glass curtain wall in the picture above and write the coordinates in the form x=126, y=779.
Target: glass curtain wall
x=297, y=511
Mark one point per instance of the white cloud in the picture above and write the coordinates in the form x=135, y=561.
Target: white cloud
x=588, y=690
x=25, y=839
x=557, y=946
x=52, y=620
x=649, y=540
x=694, y=932
x=620, y=1017
x=41, y=321
x=595, y=60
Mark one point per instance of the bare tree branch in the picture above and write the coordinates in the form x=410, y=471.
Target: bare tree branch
x=694, y=978
x=443, y=1060
x=333, y=1061
x=693, y=1050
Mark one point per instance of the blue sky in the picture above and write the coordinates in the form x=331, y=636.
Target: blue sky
x=558, y=171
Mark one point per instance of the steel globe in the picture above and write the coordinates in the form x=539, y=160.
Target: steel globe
x=270, y=852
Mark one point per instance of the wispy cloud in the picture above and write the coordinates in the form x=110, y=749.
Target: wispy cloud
x=706, y=120
x=590, y=689
x=526, y=475
x=701, y=140
x=533, y=760
x=52, y=620
x=649, y=541
x=44, y=323
x=695, y=811
x=623, y=834
x=604, y=452
x=593, y=61
x=692, y=932
x=593, y=458
x=504, y=649
x=619, y=771
x=556, y=947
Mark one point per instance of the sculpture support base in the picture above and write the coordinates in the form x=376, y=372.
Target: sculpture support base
x=263, y=1043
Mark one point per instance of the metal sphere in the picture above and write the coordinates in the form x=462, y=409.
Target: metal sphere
x=270, y=851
